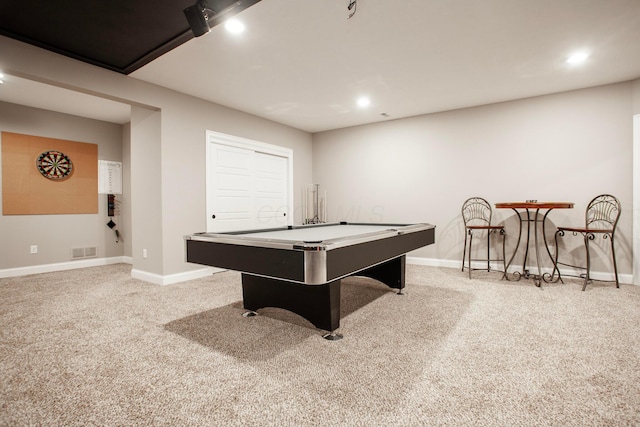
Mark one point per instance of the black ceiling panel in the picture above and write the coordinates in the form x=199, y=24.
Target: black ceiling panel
x=120, y=35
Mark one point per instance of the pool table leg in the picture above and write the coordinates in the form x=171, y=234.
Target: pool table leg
x=391, y=273
x=319, y=304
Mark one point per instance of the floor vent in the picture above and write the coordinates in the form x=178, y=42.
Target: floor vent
x=80, y=253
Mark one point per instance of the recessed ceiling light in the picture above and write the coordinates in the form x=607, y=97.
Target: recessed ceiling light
x=363, y=102
x=578, y=58
x=1, y=78
x=234, y=26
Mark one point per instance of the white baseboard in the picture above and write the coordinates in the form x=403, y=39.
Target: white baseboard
x=173, y=278
x=566, y=272
x=71, y=265
x=433, y=262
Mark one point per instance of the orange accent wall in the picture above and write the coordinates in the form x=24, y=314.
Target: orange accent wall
x=26, y=192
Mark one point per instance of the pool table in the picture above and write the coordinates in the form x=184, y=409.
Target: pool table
x=299, y=268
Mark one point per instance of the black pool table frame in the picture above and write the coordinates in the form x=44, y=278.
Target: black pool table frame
x=304, y=277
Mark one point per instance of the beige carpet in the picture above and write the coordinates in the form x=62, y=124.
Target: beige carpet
x=96, y=347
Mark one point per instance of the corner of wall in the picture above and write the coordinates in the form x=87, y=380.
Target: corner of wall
x=635, y=96
x=636, y=188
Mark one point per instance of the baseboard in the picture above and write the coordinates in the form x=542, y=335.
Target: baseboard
x=173, y=278
x=597, y=275
x=71, y=265
x=566, y=272
x=433, y=262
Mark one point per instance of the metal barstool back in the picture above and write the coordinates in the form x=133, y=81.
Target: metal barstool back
x=601, y=218
x=476, y=214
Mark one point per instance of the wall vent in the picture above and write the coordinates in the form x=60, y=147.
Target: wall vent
x=81, y=253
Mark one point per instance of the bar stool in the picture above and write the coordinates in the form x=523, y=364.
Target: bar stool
x=601, y=218
x=476, y=214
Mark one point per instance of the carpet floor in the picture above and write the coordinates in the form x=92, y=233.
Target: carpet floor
x=97, y=347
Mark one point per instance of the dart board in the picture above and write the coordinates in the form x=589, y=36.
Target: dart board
x=54, y=165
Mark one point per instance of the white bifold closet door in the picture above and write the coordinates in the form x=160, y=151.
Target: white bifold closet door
x=247, y=189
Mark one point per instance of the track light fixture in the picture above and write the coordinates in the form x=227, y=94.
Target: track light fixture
x=198, y=18
x=206, y=14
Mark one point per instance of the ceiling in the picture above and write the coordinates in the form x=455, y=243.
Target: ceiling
x=304, y=63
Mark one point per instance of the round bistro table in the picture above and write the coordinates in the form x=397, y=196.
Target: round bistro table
x=528, y=206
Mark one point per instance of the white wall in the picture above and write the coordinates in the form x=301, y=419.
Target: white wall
x=125, y=208
x=636, y=96
x=55, y=235
x=185, y=121
x=146, y=190
x=177, y=164
x=416, y=169
x=563, y=147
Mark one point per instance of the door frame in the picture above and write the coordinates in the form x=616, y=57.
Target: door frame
x=219, y=138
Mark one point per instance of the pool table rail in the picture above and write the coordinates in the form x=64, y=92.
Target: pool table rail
x=311, y=263
x=237, y=237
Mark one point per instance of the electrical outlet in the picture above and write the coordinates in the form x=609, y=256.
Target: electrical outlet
x=34, y=249
x=144, y=253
